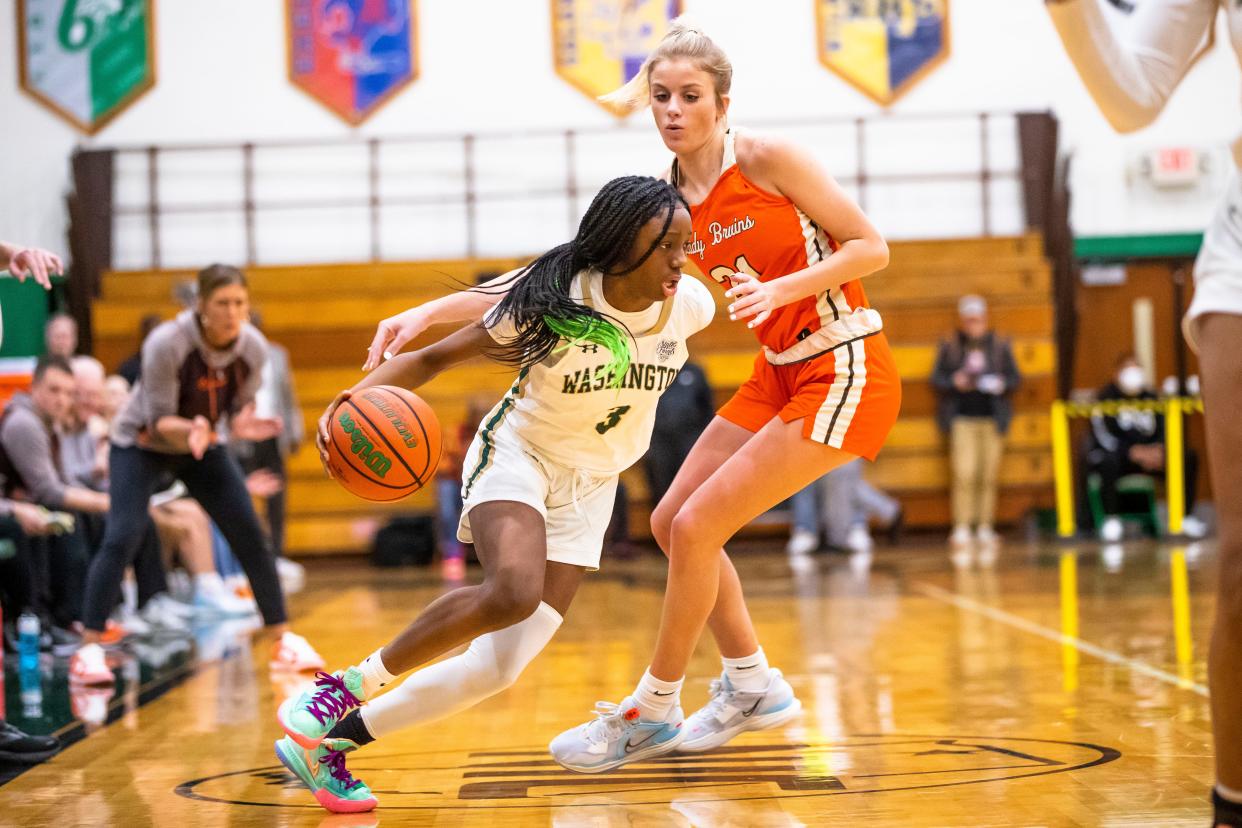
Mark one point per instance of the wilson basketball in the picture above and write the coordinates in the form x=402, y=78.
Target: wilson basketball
x=384, y=443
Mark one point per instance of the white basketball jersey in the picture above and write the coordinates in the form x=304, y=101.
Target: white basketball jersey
x=564, y=407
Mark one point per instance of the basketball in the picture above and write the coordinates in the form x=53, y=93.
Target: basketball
x=384, y=443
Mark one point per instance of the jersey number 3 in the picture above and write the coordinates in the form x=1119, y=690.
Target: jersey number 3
x=613, y=418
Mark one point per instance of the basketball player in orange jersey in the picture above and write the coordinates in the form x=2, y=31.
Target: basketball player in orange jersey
x=1131, y=77
x=789, y=245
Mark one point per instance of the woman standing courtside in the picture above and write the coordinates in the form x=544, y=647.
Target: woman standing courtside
x=198, y=369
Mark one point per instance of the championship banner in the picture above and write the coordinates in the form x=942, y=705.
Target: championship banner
x=352, y=55
x=86, y=60
x=598, y=45
x=882, y=47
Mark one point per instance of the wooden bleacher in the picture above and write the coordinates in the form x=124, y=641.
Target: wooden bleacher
x=326, y=314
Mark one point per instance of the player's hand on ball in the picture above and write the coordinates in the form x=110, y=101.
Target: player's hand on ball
x=752, y=298
x=393, y=334
x=321, y=432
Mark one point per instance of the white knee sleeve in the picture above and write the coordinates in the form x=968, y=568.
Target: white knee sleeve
x=491, y=663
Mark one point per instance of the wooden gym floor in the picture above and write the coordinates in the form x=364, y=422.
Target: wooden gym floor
x=1057, y=687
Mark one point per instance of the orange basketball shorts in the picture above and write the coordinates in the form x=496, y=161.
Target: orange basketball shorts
x=847, y=398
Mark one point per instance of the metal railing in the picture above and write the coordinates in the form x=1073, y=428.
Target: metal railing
x=146, y=194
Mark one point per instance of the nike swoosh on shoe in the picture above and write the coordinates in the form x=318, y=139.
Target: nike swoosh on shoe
x=631, y=745
x=746, y=714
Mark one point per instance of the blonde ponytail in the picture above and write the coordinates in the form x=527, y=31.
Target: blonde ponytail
x=683, y=40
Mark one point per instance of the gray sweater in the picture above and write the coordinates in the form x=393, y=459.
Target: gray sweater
x=31, y=446
x=183, y=377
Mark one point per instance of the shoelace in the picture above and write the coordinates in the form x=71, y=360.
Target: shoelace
x=335, y=760
x=721, y=701
x=607, y=722
x=324, y=704
x=716, y=693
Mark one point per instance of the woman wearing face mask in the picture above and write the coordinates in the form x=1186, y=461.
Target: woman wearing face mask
x=197, y=369
x=1131, y=441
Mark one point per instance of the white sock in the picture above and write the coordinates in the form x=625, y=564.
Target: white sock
x=491, y=663
x=656, y=697
x=1229, y=793
x=374, y=674
x=750, y=674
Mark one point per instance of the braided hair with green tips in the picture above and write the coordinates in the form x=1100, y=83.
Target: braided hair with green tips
x=538, y=303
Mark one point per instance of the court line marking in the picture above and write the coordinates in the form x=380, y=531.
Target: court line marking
x=1087, y=647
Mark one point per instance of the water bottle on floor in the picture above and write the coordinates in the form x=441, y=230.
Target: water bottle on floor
x=28, y=640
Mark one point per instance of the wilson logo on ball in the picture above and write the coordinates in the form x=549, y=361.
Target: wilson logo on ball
x=361, y=445
x=403, y=431
x=384, y=443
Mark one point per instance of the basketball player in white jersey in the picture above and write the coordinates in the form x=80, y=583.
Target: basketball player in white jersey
x=597, y=328
x=1131, y=79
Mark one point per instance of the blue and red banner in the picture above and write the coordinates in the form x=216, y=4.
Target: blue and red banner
x=352, y=55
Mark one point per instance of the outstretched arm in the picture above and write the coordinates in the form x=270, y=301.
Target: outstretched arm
x=395, y=332
x=410, y=371
x=1131, y=79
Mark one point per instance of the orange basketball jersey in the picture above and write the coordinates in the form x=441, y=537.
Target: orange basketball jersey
x=740, y=227
x=849, y=397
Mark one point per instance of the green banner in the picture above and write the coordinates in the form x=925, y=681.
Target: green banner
x=86, y=60
x=24, y=310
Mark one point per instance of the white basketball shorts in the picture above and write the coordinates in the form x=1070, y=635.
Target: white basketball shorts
x=1218, y=270
x=576, y=506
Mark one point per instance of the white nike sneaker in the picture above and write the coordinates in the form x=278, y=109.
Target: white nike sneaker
x=213, y=600
x=617, y=736
x=163, y=614
x=732, y=711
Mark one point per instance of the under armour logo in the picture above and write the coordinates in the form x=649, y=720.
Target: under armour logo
x=589, y=348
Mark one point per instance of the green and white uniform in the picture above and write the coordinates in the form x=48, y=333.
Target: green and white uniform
x=562, y=434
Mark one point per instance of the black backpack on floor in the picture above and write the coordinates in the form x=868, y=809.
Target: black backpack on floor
x=405, y=541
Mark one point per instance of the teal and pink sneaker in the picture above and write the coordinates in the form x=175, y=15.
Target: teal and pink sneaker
x=322, y=770
x=309, y=717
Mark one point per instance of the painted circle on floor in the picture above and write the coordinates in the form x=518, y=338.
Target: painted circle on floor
x=692, y=783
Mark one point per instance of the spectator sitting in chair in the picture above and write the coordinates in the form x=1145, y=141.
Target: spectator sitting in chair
x=1132, y=442
x=32, y=463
